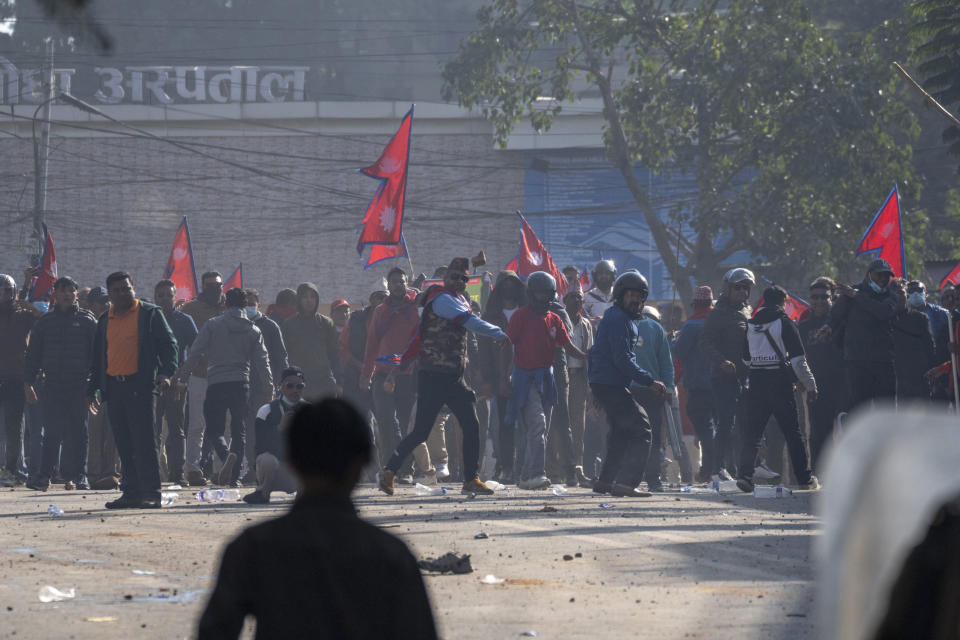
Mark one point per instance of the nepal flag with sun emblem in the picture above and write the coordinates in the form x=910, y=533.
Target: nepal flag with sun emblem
x=384, y=217
x=180, y=268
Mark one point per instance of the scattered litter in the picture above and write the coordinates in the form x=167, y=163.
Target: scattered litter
x=493, y=484
x=606, y=505
x=578, y=555
x=174, y=487
x=101, y=619
x=558, y=490
x=169, y=497
x=122, y=534
x=548, y=509
x=529, y=634
x=715, y=487
x=703, y=488
x=218, y=495
x=424, y=490
x=447, y=563
x=142, y=572
x=796, y=615
x=481, y=536
x=762, y=491
x=52, y=594
x=491, y=579
x=55, y=511
x=568, y=557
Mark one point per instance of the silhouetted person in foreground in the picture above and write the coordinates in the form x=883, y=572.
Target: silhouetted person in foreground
x=320, y=571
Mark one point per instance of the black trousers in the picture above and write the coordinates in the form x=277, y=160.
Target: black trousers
x=727, y=390
x=771, y=393
x=823, y=412
x=560, y=460
x=64, y=411
x=653, y=406
x=433, y=391
x=505, y=438
x=174, y=410
x=11, y=397
x=222, y=397
x=131, y=411
x=628, y=443
x=870, y=381
x=700, y=410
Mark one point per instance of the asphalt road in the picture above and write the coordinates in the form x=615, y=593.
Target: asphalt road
x=673, y=566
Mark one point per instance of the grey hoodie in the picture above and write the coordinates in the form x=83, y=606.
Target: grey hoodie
x=233, y=345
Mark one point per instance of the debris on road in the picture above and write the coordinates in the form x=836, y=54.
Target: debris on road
x=55, y=511
x=52, y=594
x=606, y=505
x=481, y=536
x=492, y=579
x=548, y=509
x=447, y=563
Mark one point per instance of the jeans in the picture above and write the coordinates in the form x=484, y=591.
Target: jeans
x=577, y=411
x=771, y=393
x=726, y=400
x=628, y=443
x=434, y=391
x=700, y=410
x=11, y=397
x=131, y=408
x=393, y=411
x=221, y=398
x=64, y=411
x=171, y=409
x=196, y=395
x=870, y=381
x=533, y=437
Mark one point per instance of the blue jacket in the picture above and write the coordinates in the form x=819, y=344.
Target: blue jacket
x=653, y=351
x=612, y=360
x=940, y=326
x=696, y=366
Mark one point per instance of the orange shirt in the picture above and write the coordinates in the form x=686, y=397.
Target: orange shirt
x=123, y=341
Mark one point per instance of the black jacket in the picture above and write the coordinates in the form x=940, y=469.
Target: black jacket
x=157, y=352
x=61, y=347
x=724, y=332
x=863, y=325
x=914, y=352
x=267, y=426
x=824, y=356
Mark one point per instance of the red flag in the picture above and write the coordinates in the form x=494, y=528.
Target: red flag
x=953, y=277
x=384, y=217
x=586, y=280
x=180, y=267
x=381, y=252
x=513, y=265
x=794, y=307
x=884, y=236
x=47, y=276
x=533, y=256
x=235, y=281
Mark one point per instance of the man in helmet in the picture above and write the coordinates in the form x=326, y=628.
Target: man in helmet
x=724, y=331
x=612, y=367
x=535, y=332
x=600, y=298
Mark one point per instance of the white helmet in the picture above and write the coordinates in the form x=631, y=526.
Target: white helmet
x=739, y=275
x=651, y=312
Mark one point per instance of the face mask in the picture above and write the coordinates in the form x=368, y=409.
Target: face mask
x=42, y=306
x=916, y=299
x=876, y=288
x=251, y=312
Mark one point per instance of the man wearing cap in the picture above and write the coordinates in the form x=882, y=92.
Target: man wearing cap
x=442, y=352
x=271, y=422
x=695, y=377
x=103, y=465
x=724, y=330
x=862, y=323
x=16, y=320
x=600, y=298
x=939, y=319
x=311, y=340
x=339, y=312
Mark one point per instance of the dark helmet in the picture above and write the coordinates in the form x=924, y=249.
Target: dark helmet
x=630, y=280
x=605, y=266
x=541, y=281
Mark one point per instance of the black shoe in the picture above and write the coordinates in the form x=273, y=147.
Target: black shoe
x=148, y=504
x=40, y=484
x=624, y=491
x=124, y=502
x=83, y=484
x=602, y=487
x=655, y=487
x=572, y=480
x=177, y=479
x=196, y=479
x=745, y=485
x=256, y=497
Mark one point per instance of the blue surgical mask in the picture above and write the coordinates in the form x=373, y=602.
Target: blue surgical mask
x=876, y=288
x=916, y=299
x=41, y=305
x=251, y=312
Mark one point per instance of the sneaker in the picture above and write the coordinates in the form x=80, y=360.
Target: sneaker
x=385, y=482
x=406, y=478
x=69, y=486
x=256, y=497
x=428, y=478
x=476, y=486
x=723, y=474
x=196, y=479
x=82, y=484
x=656, y=487
x=443, y=472
x=745, y=485
x=535, y=484
x=763, y=473
x=624, y=491
x=582, y=480
x=223, y=478
x=41, y=484
x=811, y=485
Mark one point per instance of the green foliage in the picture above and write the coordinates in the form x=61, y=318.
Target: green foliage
x=795, y=141
x=936, y=30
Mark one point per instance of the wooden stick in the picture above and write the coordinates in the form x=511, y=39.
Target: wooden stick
x=943, y=110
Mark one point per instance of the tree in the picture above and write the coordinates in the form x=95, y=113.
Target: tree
x=793, y=141
x=937, y=30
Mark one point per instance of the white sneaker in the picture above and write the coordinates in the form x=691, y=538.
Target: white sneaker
x=443, y=472
x=428, y=478
x=813, y=485
x=724, y=475
x=535, y=484
x=763, y=473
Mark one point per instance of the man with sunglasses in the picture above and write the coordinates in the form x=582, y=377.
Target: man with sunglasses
x=441, y=346
x=722, y=340
x=269, y=426
x=826, y=362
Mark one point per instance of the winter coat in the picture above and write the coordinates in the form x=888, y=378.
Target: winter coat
x=612, y=360
x=61, y=347
x=773, y=345
x=313, y=345
x=202, y=311
x=276, y=352
x=695, y=365
x=15, y=324
x=722, y=337
x=914, y=352
x=232, y=345
x=863, y=325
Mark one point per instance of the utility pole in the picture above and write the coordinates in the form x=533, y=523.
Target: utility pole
x=41, y=149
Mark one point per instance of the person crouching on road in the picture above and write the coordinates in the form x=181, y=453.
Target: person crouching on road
x=612, y=367
x=271, y=422
x=776, y=359
x=536, y=332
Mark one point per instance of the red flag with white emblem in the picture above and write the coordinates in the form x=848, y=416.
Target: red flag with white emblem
x=384, y=217
x=47, y=275
x=235, y=281
x=884, y=236
x=533, y=256
x=180, y=267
